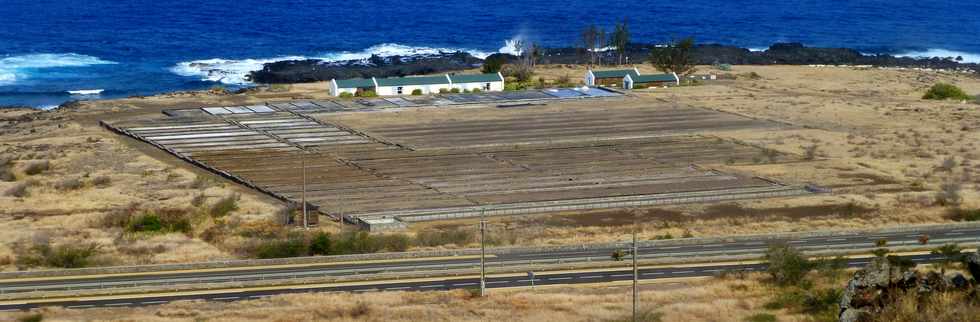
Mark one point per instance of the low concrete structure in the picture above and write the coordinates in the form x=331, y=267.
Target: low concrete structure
x=408, y=85
x=482, y=82
x=394, y=86
x=378, y=224
x=352, y=86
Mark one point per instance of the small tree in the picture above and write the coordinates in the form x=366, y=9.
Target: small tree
x=416, y=92
x=949, y=254
x=620, y=39
x=320, y=244
x=493, y=63
x=675, y=57
x=592, y=39
x=786, y=264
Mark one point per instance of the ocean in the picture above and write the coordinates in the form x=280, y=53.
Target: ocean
x=120, y=48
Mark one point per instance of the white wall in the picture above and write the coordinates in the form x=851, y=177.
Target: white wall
x=494, y=86
x=589, y=78
x=407, y=90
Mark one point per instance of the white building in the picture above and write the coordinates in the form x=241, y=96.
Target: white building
x=394, y=86
x=482, y=82
x=408, y=85
x=352, y=86
x=611, y=77
x=645, y=81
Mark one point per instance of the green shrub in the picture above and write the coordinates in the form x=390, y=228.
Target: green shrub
x=160, y=221
x=367, y=93
x=346, y=95
x=320, y=244
x=493, y=63
x=394, y=242
x=293, y=246
x=35, y=317
x=476, y=90
x=225, y=205
x=18, y=190
x=761, y=317
x=942, y=91
x=454, y=236
x=417, y=92
x=454, y=90
x=959, y=214
x=786, y=265
x=443, y=90
x=70, y=255
x=35, y=167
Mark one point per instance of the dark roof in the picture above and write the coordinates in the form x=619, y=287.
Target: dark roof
x=476, y=78
x=403, y=81
x=354, y=83
x=614, y=73
x=654, y=78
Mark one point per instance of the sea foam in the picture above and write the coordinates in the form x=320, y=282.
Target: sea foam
x=14, y=68
x=235, y=71
x=942, y=53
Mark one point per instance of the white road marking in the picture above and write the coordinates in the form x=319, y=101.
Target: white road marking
x=497, y=282
x=153, y=302
x=683, y=272
x=464, y=284
x=654, y=273
x=226, y=298
x=430, y=286
x=592, y=276
x=836, y=240
x=713, y=270
x=621, y=275
x=797, y=241
x=954, y=233
x=10, y=310
x=257, y=296
x=398, y=288
x=118, y=304
x=559, y=278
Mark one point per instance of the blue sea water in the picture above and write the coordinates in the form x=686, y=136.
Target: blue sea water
x=141, y=47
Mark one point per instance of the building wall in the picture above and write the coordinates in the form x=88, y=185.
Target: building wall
x=494, y=86
x=610, y=81
x=336, y=92
x=589, y=79
x=407, y=90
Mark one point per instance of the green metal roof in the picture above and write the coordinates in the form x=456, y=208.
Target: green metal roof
x=407, y=81
x=476, y=78
x=614, y=73
x=355, y=83
x=653, y=78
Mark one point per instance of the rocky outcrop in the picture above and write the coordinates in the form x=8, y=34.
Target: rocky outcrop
x=872, y=287
x=313, y=70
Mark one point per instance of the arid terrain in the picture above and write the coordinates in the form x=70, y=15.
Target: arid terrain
x=889, y=157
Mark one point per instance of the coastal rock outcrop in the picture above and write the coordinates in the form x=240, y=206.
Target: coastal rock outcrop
x=314, y=70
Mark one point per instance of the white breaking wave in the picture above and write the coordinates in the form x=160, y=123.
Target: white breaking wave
x=13, y=68
x=943, y=53
x=510, y=46
x=235, y=71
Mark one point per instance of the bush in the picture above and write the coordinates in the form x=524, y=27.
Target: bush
x=225, y=205
x=443, y=90
x=810, y=152
x=367, y=93
x=293, y=246
x=101, y=181
x=346, y=95
x=68, y=184
x=786, y=265
x=761, y=317
x=959, y=214
x=431, y=238
x=6, y=175
x=942, y=91
x=454, y=90
x=476, y=90
x=493, y=63
x=320, y=244
x=35, y=167
x=949, y=195
x=18, y=190
x=72, y=255
x=417, y=92
x=160, y=221
x=36, y=317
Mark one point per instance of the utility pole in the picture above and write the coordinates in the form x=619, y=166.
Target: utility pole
x=635, y=271
x=483, y=253
x=306, y=224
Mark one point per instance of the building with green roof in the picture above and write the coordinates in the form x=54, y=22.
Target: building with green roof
x=418, y=84
x=492, y=82
x=645, y=81
x=611, y=77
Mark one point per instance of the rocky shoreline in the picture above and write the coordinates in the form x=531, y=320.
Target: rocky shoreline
x=304, y=71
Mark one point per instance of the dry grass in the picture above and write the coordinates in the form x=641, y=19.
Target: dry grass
x=694, y=300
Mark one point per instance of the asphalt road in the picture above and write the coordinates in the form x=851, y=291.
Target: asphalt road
x=541, y=279
x=937, y=237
